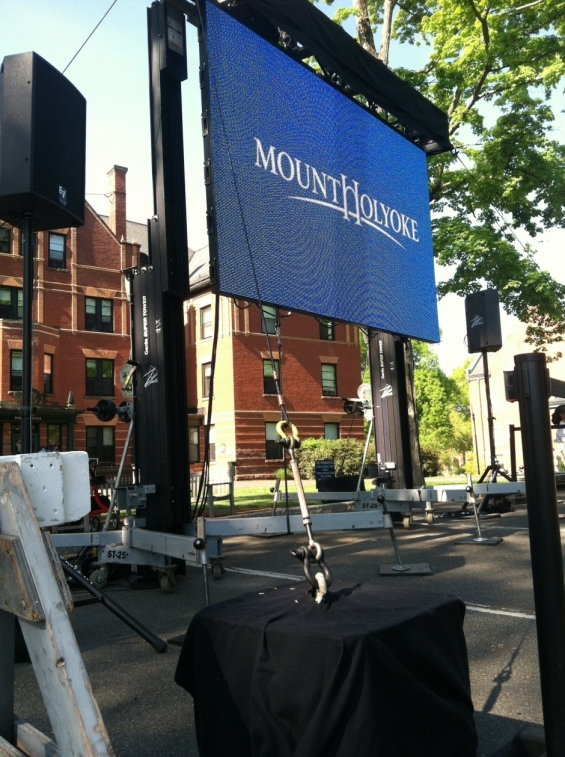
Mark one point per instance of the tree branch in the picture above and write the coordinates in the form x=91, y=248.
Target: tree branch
x=483, y=23
x=364, y=30
x=454, y=102
x=386, y=33
x=475, y=97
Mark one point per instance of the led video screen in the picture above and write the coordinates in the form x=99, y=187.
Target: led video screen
x=318, y=206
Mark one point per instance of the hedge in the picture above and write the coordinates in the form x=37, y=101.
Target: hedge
x=347, y=455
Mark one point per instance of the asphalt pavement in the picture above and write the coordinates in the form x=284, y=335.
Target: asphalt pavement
x=147, y=715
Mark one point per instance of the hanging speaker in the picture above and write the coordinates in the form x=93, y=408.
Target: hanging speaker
x=482, y=313
x=42, y=144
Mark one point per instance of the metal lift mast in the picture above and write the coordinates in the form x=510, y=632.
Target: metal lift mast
x=159, y=289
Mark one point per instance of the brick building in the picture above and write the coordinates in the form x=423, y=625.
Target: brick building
x=81, y=340
x=80, y=329
x=319, y=364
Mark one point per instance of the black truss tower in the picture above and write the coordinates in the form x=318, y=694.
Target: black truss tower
x=396, y=422
x=158, y=290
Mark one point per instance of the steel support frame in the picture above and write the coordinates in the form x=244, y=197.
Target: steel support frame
x=532, y=386
x=158, y=291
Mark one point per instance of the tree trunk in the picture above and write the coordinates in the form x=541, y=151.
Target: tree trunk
x=364, y=30
x=388, y=9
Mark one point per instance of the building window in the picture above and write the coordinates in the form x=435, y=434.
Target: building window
x=100, y=443
x=11, y=303
x=194, y=444
x=206, y=378
x=273, y=450
x=99, y=315
x=54, y=437
x=57, y=251
x=331, y=430
x=268, y=319
x=269, y=384
x=33, y=243
x=329, y=380
x=99, y=377
x=206, y=322
x=327, y=331
x=48, y=373
x=16, y=439
x=5, y=240
x=212, y=442
x=16, y=370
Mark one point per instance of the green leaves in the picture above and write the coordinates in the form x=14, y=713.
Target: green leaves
x=493, y=66
x=443, y=407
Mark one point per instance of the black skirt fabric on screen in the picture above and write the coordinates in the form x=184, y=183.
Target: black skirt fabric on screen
x=376, y=672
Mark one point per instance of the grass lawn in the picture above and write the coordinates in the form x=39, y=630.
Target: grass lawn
x=442, y=480
x=261, y=498
x=258, y=497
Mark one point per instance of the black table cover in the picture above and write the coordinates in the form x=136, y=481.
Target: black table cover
x=377, y=672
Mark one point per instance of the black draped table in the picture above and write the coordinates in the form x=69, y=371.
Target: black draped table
x=376, y=672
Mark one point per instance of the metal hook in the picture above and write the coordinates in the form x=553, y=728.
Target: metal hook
x=313, y=552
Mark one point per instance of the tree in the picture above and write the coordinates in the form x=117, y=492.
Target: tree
x=493, y=66
x=443, y=410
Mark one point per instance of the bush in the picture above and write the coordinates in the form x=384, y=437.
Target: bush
x=431, y=462
x=281, y=471
x=470, y=467
x=347, y=455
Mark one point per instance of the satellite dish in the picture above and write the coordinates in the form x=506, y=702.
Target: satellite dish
x=365, y=394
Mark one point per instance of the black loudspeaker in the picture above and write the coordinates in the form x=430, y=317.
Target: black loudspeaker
x=482, y=313
x=42, y=144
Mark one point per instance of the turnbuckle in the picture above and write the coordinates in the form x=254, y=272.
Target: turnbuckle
x=322, y=581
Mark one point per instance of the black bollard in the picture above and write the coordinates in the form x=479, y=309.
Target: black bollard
x=531, y=380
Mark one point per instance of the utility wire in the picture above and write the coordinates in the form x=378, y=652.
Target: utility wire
x=506, y=225
x=89, y=36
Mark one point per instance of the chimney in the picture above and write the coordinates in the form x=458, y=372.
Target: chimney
x=117, y=176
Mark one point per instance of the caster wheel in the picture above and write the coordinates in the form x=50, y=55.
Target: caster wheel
x=98, y=578
x=95, y=523
x=166, y=584
x=114, y=523
x=407, y=521
x=429, y=518
x=217, y=571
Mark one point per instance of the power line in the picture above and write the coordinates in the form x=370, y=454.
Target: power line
x=506, y=226
x=89, y=36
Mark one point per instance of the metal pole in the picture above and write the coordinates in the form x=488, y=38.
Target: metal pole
x=7, y=649
x=513, y=471
x=531, y=381
x=118, y=477
x=365, y=452
x=489, y=411
x=158, y=644
x=26, y=410
x=7, y=620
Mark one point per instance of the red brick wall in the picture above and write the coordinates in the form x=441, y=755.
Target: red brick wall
x=300, y=364
x=96, y=265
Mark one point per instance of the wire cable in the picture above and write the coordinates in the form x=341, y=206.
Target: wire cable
x=89, y=36
x=506, y=226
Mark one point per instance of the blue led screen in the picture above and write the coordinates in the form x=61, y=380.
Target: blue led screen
x=319, y=206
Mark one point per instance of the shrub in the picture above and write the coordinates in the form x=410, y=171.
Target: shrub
x=347, y=455
x=470, y=467
x=431, y=462
x=281, y=471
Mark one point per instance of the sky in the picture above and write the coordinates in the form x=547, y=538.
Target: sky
x=111, y=71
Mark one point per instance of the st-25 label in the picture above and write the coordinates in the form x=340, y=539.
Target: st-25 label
x=116, y=554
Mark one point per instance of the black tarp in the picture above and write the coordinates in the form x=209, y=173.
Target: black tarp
x=378, y=672
x=338, y=52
